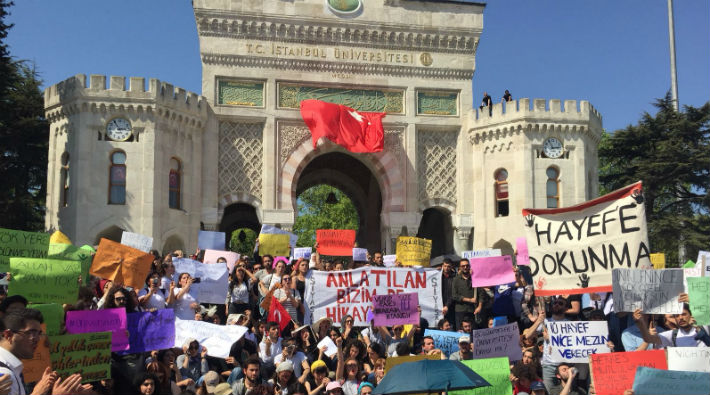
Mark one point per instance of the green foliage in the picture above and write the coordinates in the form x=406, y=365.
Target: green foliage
x=670, y=153
x=245, y=247
x=24, y=140
x=314, y=213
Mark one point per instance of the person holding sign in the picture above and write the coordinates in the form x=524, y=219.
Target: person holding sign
x=686, y=335
x=181, y=299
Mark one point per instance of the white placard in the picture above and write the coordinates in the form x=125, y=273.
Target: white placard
x=655, y=291
x=360, y=254
x=481, y=253
x=302, y=252
x=232, y=257
x=575, y=341
x=207, y=240
x=389, y=260
x=331, y=350
x=691, y=359
x=137, y=241
x=218, y=339
x=214, y=279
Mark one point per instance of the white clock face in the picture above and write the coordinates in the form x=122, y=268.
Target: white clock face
x=552, y=148
x=118, y=129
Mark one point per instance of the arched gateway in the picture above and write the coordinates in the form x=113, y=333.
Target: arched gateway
x=239, y=154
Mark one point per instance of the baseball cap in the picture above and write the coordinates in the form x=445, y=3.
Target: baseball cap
x=333, y=385
x=211, y=379
x=464, y=339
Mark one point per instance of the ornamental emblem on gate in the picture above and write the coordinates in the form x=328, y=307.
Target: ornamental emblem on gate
x=344, y=7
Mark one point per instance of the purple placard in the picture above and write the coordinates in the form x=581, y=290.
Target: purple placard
x=151, y=330
x=492, y=270
x=396, y=309
x=108, y=320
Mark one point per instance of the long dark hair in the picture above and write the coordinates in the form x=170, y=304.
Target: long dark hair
x=111, y=302
x=234, y=280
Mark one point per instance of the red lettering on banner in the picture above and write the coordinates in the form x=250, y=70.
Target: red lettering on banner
x=331, y=281
x=394, y=291
x=363, y=279
x=378, y=273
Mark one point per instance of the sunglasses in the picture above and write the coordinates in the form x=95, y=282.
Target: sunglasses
x=120, y=299
x=286, y=279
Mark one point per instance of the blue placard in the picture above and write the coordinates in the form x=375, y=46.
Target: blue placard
x=207, y=240
x=650, y=381
x=447, y=342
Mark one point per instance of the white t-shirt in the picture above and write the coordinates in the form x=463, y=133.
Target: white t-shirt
x=683, y=339
x=182, y=307
x=156, y=300
x=14, y=369
x=297, y=359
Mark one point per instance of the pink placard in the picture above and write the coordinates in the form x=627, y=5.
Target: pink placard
x=521, y=245
x=492, y=270
x=396, y=309
x=211, y=256
x=108, y=320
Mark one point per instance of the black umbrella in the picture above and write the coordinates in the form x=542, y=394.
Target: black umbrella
x=440, y=259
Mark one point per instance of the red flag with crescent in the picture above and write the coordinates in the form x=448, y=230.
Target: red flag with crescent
x=277, y=313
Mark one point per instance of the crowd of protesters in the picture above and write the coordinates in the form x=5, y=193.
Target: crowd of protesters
x=268, y=360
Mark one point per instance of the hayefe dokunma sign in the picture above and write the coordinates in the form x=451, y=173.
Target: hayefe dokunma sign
x=574, y=249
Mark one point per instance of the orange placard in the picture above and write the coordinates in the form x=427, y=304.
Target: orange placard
x=121, y=264
x=335, y=242
x=34, y=368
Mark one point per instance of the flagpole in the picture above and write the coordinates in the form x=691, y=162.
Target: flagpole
x=671, y=39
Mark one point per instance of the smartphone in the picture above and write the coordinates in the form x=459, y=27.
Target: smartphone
x=197, y=280
x=155, y=281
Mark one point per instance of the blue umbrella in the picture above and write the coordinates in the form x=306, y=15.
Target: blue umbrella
x=429, y=376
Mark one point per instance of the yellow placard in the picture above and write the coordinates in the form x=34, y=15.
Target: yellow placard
x=274, y=244
x=394, y=361
x=658, y=260
x=413, y=251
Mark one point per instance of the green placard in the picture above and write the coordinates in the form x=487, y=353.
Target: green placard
x=83, y=254
x=45, y=280
x=21, y=244
x=241, y=93
x=689, y=265
x=494, y=370
x=53, y=315
x=86, y=353
x=390, y=101
x=699, y=296
x=437, y=103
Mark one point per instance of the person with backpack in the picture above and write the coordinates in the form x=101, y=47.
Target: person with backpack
x=686, y=335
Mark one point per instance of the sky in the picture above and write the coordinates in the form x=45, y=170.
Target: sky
x=612, y=53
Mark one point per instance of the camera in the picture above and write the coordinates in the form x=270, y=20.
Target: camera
x=155, y=281
x=197, y=280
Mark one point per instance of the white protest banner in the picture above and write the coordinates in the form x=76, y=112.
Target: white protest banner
x=214, y=279
x=331, y=348
x=689, y=359
x=481, y=253
x=272, y=230
x=575, y=341
x=302, y=252
x=207, y=240
x=573, y=250
x=389, y=260
x=359, y=254
x=137, y=241
x=337, y=294
x=655, y=291
x=218, y=339
x=211, y=256
x=501, y=341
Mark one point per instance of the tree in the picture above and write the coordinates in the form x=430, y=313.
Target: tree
x=670, y=153
x=245, y=246
x=314, y=213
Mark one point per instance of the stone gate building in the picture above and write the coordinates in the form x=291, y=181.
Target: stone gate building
x=164, y=162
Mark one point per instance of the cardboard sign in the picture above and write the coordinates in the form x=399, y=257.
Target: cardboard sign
x=359, y=254
x=68, y=252
x=699, y=296
x=271, y=229
x=121, y=264
x=43, y=280
x=336, y=294
x=394, y=361
x=17, y=243
x=335, y=242
x=207, y=240
x=214, y=279
x=575, y=341
x=389, y=260
x=688, y=264
x=614, y=372
x=274, y=244
x=211, y=256
x=107, y=320
x=86, y=353
x=702, y=255
x=522, y=256
x=151, y=330
x=446, y=341
x=218, y=339
x=53, y=315
x=573, y=250
x=413, y=251
x=481, y=253
x=658, y=260
x=663, y=382
x=33, y=369
x=496, y=371
x=689, y=359
x=302, y=252
x=494, y=270
x=500, y=341
x=137, y=241
x=397, y=309
x=653, y=291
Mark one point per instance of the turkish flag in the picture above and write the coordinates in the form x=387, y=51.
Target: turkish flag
x=277, y=313
x=354, y=130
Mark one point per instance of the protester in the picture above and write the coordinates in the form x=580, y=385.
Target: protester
x=180, y=298
x=239, y=295
x=146, y=384
x=152, y=297
x=567, y=385
x=288, y=296
x=463, y=294
x=465, y=351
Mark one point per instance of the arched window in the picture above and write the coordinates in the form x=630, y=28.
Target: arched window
x=553, y=187
x=117, y=178
x=501, y=191
x=64, y=175
x=174, y=183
